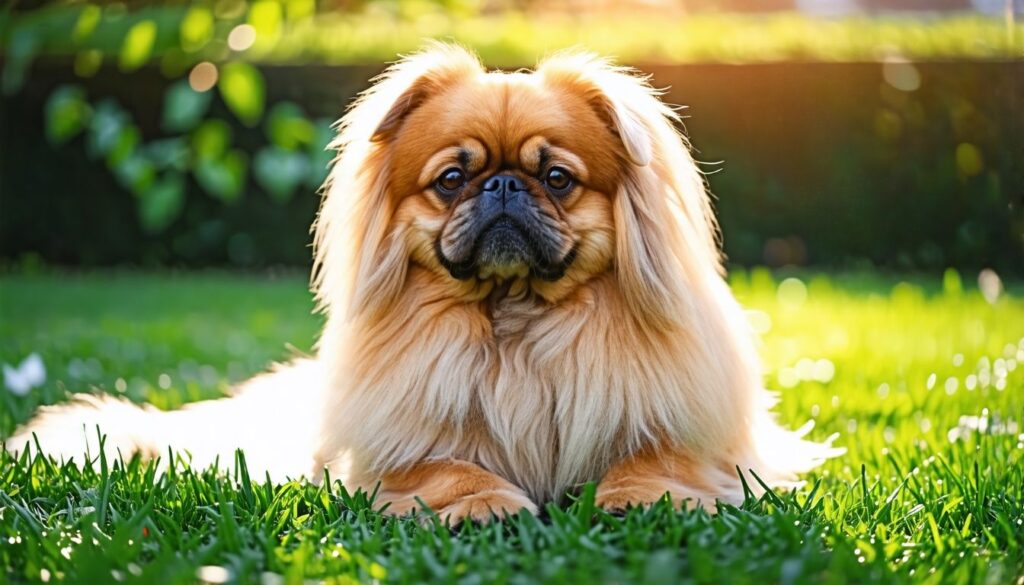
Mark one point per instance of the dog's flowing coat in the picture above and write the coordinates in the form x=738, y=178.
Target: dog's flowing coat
x=635, y=369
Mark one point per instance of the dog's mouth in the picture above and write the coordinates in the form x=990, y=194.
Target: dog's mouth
x=504, y=243
x=504, y=249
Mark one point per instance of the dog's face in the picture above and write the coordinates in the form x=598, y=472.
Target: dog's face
x=527, y=183
x=507, y=177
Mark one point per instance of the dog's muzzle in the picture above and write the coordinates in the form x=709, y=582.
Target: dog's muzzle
x=506, y=235
x=504, y=241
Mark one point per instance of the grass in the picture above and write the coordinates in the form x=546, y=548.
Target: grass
x=921, y=377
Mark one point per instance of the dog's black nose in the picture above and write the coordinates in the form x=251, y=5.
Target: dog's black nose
x=501, y=188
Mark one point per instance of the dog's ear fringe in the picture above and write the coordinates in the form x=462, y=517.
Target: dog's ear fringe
x=667, y=238
x=396, y=92
x=619, y=94
x=349, y=268
x=421, y=74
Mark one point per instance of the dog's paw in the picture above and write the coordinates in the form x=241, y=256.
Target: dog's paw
x=485, y=506
x=452, y=490
x=480, y=507
x=616, y=498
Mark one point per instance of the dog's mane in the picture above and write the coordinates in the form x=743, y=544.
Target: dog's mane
x=664, y=359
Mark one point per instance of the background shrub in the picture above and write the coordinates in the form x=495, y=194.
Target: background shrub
x=193, y=134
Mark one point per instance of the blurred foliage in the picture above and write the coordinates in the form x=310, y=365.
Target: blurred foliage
x=825, y=164
x=241, y=86
x=154, y=171
x=833, y=163
x=926, y=176
x=180, y=35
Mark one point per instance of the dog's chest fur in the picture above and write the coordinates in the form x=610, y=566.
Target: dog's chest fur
x=546, y=396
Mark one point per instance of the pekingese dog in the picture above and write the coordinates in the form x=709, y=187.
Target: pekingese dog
x=524, y=293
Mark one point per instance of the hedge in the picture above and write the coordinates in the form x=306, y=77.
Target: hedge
x=892, y=164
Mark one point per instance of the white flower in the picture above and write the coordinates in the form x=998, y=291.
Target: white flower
x=26, y=376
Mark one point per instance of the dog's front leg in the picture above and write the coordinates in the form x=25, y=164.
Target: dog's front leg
x=647, y=476
x=456, y=490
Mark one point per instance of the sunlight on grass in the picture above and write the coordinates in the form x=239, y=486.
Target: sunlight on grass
x=183, y=36
x=921, y=378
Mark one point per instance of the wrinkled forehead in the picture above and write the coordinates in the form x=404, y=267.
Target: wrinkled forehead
x=506, y=113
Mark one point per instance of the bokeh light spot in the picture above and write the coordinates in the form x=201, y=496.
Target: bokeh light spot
x=901, y=74
x=788, y=377
x=792, y=292
x=203, y=76
x=213, y=574
x=968, y=159
x=883, y=391
x=951, y=385
x=990, y=284
x=241, y=37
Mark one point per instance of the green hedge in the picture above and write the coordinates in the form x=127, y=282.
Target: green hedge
x=844, y=141
x=821, y=163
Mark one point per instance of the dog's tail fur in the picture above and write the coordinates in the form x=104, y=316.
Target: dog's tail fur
x=272, y=418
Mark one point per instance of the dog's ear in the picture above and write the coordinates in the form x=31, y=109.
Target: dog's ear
x=612, y=103
x=666, y=237
x=409, y=82
x=406, y=103
x=360, y=263
x=609, y=90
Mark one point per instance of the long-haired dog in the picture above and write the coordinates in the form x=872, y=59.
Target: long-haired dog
x=524, y=293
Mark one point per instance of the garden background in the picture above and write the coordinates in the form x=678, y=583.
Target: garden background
x=159, y=167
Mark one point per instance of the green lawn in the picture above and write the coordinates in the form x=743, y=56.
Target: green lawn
x=919, y=378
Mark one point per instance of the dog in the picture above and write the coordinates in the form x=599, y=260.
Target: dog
x=524, y=292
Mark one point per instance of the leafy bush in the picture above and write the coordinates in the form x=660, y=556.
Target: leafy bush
x=192, y=113
x=153, y=171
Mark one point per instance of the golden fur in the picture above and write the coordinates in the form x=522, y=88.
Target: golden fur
x=503, y=390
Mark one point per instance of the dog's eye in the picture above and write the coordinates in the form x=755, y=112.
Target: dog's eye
x=558, y=180
x=450, y=181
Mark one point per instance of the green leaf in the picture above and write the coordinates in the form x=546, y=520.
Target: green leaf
x=168, y=153
x=124, y=145
x=88, y=18
x=288, y=128
x=88, y=62
x=175, y=63
x=211, y=139
x=280, y=171
x=223, y=178
x=196, y=28
x=242, y=87
x=67, y=113
x=138, y=45
x=951, y=283
x=265, y=16
x=22, y=47
x=300, y=9
x=162, y=202
x=135, y=173
x=183, y=107
x=105, y=127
